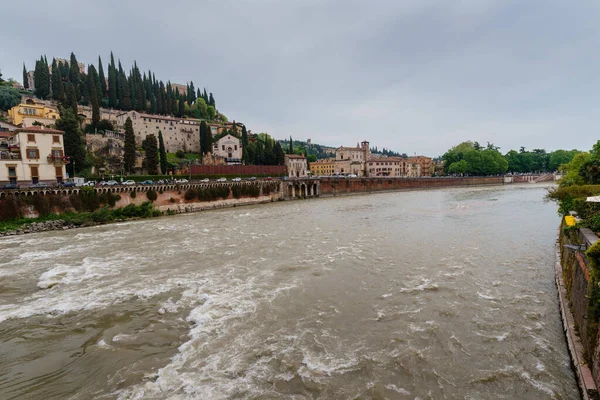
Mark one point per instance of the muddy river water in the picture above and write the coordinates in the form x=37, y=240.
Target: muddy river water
x=439, y=294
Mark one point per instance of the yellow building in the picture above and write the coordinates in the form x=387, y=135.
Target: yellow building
x=25, y=114
x=323, y=167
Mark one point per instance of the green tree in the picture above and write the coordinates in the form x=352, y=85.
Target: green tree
x=244, y=136
x=25, y=77
x=42, y=79
x=162, y=153
x=279, y=154
x=291, y=149
x=129, y=146
x=9, y=97
x=458, y=167
x=560, y=157
x=74, y=76
x=112, y=83
x=151, y=157
x=206, y=139
x=58, y=90
x=74, y=141
x=95, y=106
x=102, y=79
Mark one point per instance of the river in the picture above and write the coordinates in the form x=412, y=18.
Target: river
x=438, y=294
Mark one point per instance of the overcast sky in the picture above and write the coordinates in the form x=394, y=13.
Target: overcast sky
x=415, y=76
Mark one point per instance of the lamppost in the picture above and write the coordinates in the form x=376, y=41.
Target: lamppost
x=121, y=170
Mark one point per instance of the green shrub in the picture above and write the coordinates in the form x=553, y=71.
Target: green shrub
x=180, y=154
x=190, y=194
x=151, y=195
x=102, y=215
x=10, y=209
x=172, y=200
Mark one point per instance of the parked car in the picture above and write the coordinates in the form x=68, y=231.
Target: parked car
x=352, y=176
x=252, y=178
x=65, y=184
x=222, y=180
x=129, y=182
x=39, y=185
x=205, y=180
x=146, y=182
x=101, y=183
x=89, y=183
x=268, y=178
x=181, y=181
x=112, y=183
x=10, y=186
x=236, y=180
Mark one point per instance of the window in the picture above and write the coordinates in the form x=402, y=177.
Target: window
x=33, y=154
x=235, y=146
x=57, y=153
x=34, y=174
x=223, y=147
x=55, y=139
x=30, y=137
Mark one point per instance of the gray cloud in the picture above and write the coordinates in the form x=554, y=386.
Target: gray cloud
x=417, y=76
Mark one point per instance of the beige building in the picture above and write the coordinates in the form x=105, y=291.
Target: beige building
x=296, y=166
x=393, y=167
x=426, y=164
x=229, y=148
x=32, y=155
x=351, y=160
x=178, y=133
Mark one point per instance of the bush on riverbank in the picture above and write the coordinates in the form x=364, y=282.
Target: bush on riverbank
x=99, y=216
x=573, y=198
x=245, y=190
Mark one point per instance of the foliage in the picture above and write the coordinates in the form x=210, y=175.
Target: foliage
x=150, y=146
x=207, y=193
x=9, y=97
x=151, y=195
x=245, y=191
x=180, y=154
x=74, y=142
x=105, y=125
x=42, y=79
x=129, y=146
x=162, y=153
x=479, y=160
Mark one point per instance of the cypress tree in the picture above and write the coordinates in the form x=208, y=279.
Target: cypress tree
x=71, y=98
x=181, y=110
x=191, y=94
x=74, y=77
x=198, y=94
x=95, y=104
x=112, y=83
x=102, y=79
x=73, y=138
x=42, y=79
x=57, y=84
x=211, y=100
x=162, y=154
x=291, y=149
x=269, y=157
x=279, y=154
x=124, y=92
x=25, y=78
x=244, y=136
x=151, y=157
x=205, y=96
x=129, y=147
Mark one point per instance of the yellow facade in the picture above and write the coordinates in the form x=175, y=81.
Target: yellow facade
x=323, y=167
x=26, y=114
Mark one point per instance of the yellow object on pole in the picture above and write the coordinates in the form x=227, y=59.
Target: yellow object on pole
x=570, y=220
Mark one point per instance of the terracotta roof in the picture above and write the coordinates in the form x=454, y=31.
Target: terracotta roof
x=349, y=148
x=386, y=159
x=6, y=134
x=38, y=129
x=294, y=156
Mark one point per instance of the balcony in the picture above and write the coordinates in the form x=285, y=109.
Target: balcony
x=8, y=155
x=58, y=160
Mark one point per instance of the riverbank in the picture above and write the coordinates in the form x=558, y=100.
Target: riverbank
x=585, y=379
x=171, y=202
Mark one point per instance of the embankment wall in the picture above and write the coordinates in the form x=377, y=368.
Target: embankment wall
x=336, y=186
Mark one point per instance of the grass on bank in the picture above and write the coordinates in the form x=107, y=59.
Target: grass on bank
x=99, y=216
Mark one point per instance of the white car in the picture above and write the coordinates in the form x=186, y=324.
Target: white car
x=181, y=181
x=129, y=183
x=222, y=180
x=236, y=180
x=352, y=176
x=89, y=183
x=205, y=180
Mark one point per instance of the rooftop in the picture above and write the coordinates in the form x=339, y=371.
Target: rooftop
x=38, y=129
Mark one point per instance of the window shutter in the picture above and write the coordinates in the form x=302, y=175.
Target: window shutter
x=34, y=172
x=37, y=154
x=59, y=172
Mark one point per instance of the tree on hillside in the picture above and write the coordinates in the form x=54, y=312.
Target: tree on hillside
x=58, y=90
x=279, y=154
x=102, y=80
x=129, y=150
x=9, y=97
x=205, y=139
x=112, y=83
x=73, y=139
x=42, y=79
x=244, y=136
x=25, y=78
x=95, y=106
x=71, y=98
x=74, y=76
x=151, y=157
x=162, y=153
x=291, y=149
